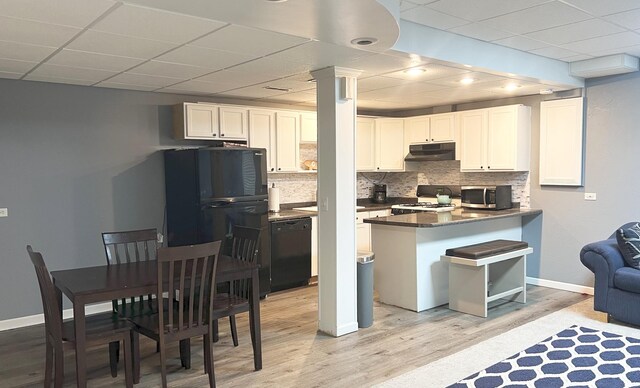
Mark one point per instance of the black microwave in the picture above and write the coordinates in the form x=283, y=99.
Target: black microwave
x=486, y=197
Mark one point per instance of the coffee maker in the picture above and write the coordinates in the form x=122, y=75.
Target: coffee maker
x=379, y=194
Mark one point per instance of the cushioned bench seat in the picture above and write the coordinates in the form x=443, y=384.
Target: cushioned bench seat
x=486, y=249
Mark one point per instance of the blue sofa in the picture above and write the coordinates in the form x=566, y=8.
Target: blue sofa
x=617, y=286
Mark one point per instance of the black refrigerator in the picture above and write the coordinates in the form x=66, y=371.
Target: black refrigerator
x=208, y=190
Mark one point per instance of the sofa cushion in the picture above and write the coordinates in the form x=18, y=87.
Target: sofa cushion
x=629, y=244
x=627, y=279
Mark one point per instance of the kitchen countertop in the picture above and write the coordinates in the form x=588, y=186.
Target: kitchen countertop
x=287, y=213
x=455, y=217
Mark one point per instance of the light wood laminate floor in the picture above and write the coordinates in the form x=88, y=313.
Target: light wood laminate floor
x=294, y=353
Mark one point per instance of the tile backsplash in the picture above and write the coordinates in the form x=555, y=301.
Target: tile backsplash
x=301, y=187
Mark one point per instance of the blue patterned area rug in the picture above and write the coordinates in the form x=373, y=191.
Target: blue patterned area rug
x=576, y=357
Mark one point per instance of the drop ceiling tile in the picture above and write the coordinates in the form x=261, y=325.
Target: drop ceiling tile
x=292, y=85
x=295, y=97
x=405, y=5
x=71, y=73
x=432, y=72
x=586, y=29
x=251, y=92
x=479, y=10
x=537, y=18
x=75, y=13
x=201, y=87
x=274, y=65
x=14, y=66
x=24, y=52
x=319, y=54
x=58, y=80
x=154, y=24
x=203, y=57
x=144, y=80
x=8, y=75
x=401, y=90
x=383, y=63
x=248, y=41
x=521, y=43
x=631, y=50
x=114, y=44
x=379, y=82
x=480, y=31
x=628, y=19
x=578, y=57
x=236, y=77
x=432, y=18
x=42, y=34
x=116, y=85
x=600, y=7
x=453, y=81
x=93, y=60
x=375, y=104
x=623, y=39
x=555, y=52
x=166, y=69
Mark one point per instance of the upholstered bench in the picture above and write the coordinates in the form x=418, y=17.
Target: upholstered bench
x=482, y=273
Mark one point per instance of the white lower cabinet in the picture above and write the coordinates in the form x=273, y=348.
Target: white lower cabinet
x=314, y=246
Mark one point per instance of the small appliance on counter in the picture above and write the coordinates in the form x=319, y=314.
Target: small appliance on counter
x=487, y=197
x=431, y=198
x=379, y=194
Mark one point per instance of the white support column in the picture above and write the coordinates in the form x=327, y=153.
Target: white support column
x=336, y=90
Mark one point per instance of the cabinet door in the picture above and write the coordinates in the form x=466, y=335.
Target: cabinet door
x=390, y=150
x=287, y=145
x=363, y=232
x=233, y=123
x=308, y=128
x=365, y=144
x=416, y=130
x=473, y=128
x=314, y=246
x=262, y=134
x=501, y=138
x=202, y=121
x=442, y=127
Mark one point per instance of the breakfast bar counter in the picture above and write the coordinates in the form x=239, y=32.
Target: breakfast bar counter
x=408, y=271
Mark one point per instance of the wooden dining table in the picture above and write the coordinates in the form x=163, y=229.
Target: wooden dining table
x=104, y=283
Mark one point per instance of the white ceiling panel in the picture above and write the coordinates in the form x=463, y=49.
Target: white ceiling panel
x=201, y=87
x=578, y=57
x=154, y=24
x=292, y=85
x=379, y=105
x=453, y=81
x=401, y=90
x=555, y=52
x=203, y=57
x=58, y=80
x=116, y=85
x=41, y=34
x=607, y=42
x=93, y=60
x=432, y=72
x=15, y=66
x=251, y=92
x=114, y=44
x=235, y=77
x=629, y=19
x=75, y=13
x=248, y=41
x=631, y=50
x=24, y=52
x=537, y=18
x=144, y=80
x=167, y=69
x=480, y=31
x=319, y=55
x=603, y=7
x=432, y=18
x=71, y=73
x=295, y=97
x=590, y=28
x=479, y=10
x=521, y=43
x=7, y=75
x=405, y=5
x=274, y=65
x=378, y=82
x=383, y=63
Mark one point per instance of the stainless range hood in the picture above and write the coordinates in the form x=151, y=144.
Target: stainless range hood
x=431, y=152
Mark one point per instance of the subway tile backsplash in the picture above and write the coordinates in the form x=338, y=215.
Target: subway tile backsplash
x=301, y=187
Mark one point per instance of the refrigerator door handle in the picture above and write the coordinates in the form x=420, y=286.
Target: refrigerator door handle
x=218, y=204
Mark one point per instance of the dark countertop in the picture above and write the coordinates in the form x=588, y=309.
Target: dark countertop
x=458, y=216
x=287, y=212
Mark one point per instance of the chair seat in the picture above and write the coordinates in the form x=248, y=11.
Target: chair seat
x=151, y=323
x=98, y=326
x=229, y=302
x=627, y=279
x=143, y=307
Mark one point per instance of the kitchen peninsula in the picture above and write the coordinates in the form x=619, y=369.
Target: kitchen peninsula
x=408, y=272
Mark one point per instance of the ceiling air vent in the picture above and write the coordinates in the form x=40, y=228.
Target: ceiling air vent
x=278, y=89
x=603, y=66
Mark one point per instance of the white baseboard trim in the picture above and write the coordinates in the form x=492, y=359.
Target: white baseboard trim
x=37, y=319
x=560, y=285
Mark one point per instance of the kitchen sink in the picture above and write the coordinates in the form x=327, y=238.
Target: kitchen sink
x=315, y=208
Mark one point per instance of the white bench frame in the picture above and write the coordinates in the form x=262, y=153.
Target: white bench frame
x=473, y=283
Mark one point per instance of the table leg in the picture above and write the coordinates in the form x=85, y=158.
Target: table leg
x=81, y=343
x=254, y=319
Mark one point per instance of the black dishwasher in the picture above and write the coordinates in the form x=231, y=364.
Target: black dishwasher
x=290, y=253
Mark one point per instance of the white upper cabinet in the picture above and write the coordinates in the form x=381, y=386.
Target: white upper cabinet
x=262, y=134
x=209, y=122
x=365, y=144
x=287, y=141
x=495, y=139
x=442, y=127
x=308, y=127
x=233, y=122
x=390, y=150
x=416, y=130
x=561, y=142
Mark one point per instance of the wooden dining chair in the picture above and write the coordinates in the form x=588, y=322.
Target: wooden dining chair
x=101, y=328
x=245, y=246
x=190, y=271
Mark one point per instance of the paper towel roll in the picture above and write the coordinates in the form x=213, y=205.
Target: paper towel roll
x=274, y=199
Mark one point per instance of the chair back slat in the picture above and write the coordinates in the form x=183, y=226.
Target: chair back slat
x=244, y=246
x=191, y=266
x=50, y=307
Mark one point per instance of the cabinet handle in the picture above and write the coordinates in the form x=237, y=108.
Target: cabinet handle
x=279, y=168
x=273, y=169
x=214, y=135
x=426, y=139
x=222, y=134
x=481, y=168
x=377, y=168
x=432, y=140
x=488, y=167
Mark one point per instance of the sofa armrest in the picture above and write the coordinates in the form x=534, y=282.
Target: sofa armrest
x=603, y=258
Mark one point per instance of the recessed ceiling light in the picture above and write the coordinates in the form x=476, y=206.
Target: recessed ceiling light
x=414, y=71
x=364, y=41
x=546, y=91
x=510, y=87
x=469, y=66
x=467, y=80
